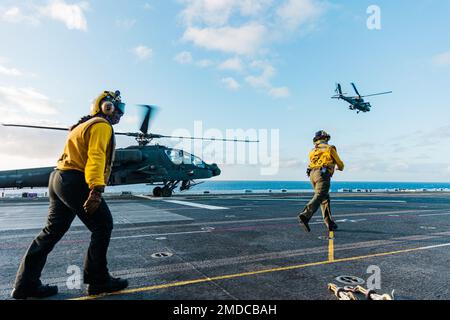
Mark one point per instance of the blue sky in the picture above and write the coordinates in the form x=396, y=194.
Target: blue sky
x=252, y=64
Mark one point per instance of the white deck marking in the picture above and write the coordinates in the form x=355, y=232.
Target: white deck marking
x=186, y=203
x=333, y=200
x=161, y=234
x=437, y=214
x=196, y=205
x=22, y=218
x=227, y=222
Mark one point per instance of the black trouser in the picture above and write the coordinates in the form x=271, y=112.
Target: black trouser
x=67, y=192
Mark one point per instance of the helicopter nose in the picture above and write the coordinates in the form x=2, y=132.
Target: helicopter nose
x=215, y=170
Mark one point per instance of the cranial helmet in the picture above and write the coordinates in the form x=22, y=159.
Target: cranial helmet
x=321, y=135
x=107, y=103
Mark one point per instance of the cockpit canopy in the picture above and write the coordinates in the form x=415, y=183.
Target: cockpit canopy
x=182, y=157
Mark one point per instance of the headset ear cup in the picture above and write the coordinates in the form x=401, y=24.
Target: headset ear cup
x=107, y=108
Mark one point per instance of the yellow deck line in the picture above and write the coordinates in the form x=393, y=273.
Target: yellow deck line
x=252, y=273
x=331, y=247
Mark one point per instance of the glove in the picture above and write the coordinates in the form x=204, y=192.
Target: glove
x=93, y=201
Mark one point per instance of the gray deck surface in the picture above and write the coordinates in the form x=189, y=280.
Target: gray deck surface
x=248, y=246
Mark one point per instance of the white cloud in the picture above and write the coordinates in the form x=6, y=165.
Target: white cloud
x=16, y=15
x=246, y=29
x=253, y=7
x=442, y=60
x=218, y=12
x=282, y=92
x=212, y=24
x=263, y=80
x=143, y=52
x=210, y=12
x=12, y=72
x=72, y=15
x=26, y=148
x=231, y=83
x=184, y=57
x=240, y=40
x=8, y=71
x=19, y=101
x=12, y=14
x=294, y=13
x=234, y=64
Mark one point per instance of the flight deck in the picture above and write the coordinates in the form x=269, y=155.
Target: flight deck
x=246, y=246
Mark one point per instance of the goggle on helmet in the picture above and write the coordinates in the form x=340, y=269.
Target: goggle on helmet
x=107, y=103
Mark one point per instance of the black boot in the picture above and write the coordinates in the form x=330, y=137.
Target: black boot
x=39, y=292
x=333, y=226
x=111, y=285
x=304, y=222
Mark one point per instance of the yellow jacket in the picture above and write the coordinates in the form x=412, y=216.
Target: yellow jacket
x=325, y=155
x=90, y=149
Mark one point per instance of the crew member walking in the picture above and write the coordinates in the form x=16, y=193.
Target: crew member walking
x=75, y=189
x=323, y=161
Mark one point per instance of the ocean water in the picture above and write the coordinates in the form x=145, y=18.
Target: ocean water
x=279, y=186
x=273, y=186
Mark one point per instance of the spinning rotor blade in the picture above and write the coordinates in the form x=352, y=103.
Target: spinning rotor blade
x=134, y=134
x=377, y=94
x=128, y=134
x=160, y=136
x=35, y=127
x=356, y=90
x=147, y=117
x=206, y=139
x=143, y=135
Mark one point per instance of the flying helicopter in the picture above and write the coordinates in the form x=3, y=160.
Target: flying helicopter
x=153, y=164
x=357, y=102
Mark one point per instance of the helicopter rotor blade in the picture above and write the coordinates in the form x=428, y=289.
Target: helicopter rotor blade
x=204, y=139
x=207, y=139
x=160, y=136
x=148, y=115
x=377, y=94
x=128, y=134
x=356, y=90
x=338, y=89
x=34, y=127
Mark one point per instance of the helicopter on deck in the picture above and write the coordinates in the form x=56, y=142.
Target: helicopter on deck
x=357, y=102
x=154, y=164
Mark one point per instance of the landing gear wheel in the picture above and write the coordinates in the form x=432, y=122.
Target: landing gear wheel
x=158, y=192
x=166, y=192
